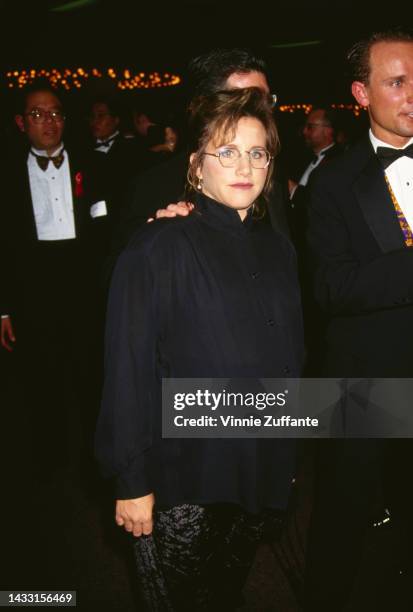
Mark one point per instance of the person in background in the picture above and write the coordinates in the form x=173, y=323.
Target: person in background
x=162, y=141
x=113, y=159
x=47, y=297
x=142, y=122
x=319, y=134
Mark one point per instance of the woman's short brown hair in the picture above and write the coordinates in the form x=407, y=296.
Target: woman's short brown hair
x=217, y=116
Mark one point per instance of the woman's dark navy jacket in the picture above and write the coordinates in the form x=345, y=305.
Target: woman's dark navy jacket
x=204, y=296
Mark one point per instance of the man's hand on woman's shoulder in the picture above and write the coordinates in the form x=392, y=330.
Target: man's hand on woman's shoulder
x=180, y=209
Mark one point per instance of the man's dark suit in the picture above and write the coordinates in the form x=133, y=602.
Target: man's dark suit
x=21, y=249
x=298, y=221
x=364, y=281
x=48, y=291
x=301, y=199
x=364, y=271
x=112, y=171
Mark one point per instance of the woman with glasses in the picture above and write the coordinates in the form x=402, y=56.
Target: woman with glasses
x=211, y=295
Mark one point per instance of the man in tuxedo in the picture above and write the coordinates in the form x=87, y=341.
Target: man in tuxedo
x=319, y=136
x=360, y=236
x=114, y=159
x=164, y=184
x=46, y=298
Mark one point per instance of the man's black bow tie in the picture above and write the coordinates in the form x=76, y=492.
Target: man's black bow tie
x=43, y=161
x=104, y=143
x=388, y=155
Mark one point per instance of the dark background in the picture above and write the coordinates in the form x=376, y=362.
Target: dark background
x=149, y=35
x=153, y=35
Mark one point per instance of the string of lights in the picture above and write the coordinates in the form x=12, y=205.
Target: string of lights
x=127, y=79
x=68, y=78
x=356, y=109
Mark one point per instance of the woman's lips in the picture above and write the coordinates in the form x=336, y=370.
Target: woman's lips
x=241, y=185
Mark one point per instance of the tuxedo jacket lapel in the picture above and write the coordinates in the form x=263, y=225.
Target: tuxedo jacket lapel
x=28, y=223
x=78, y=195
x=376, y=204
x=331, y=153
x=116, y=146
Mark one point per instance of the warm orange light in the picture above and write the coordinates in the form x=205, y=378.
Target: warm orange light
x=76, y=77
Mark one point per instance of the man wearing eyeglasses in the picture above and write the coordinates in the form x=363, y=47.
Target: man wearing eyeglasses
x=319, y=137
x=48, y=168
x=46, y=289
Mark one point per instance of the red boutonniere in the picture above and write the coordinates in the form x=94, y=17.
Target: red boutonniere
x=79, y=184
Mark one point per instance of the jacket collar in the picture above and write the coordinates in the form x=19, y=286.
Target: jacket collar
x=375, y=201
x=221, y=216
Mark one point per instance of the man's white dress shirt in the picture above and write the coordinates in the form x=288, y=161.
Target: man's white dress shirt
x=52, y=198
x=312, y=165
x=400, y=177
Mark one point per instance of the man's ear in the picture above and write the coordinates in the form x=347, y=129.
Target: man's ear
x=20, y=122
x=359, y=91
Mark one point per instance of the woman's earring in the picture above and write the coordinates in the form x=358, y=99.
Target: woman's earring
x=199, y=185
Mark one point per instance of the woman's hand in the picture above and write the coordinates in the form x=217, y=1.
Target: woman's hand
x=135, y=515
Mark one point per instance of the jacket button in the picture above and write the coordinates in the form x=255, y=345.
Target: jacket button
x=255, y=275
x=286, y=370
x=270, y=322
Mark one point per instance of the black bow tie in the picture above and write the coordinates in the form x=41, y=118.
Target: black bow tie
x=43, y=161
x=104, y=143
x=388, y=155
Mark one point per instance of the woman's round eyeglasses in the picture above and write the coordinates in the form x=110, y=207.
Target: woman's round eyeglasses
x=259, y=157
